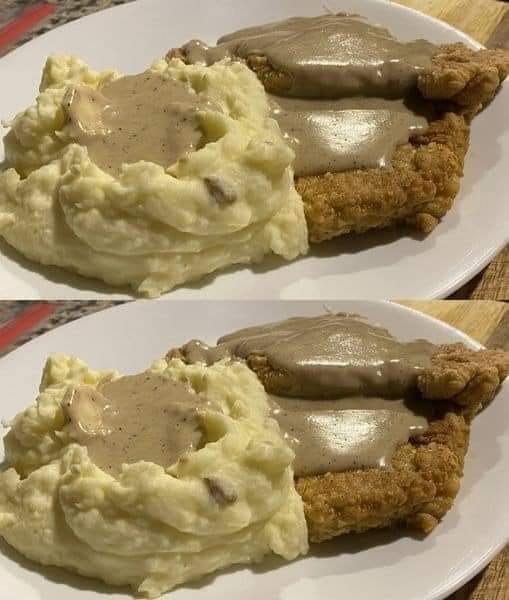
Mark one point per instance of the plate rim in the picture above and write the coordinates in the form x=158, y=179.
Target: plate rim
x=123, y=304
x=128, y=6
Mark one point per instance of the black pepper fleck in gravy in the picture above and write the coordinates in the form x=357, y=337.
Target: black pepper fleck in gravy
x=140, y=417
x=145, y=117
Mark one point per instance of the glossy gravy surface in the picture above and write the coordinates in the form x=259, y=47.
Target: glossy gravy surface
x=137, y=117
x=350, y=387
x=335, y=77
x=143, y=417
x=348, y=133
x=328, y=56
x=346, y=434
x=332, y=355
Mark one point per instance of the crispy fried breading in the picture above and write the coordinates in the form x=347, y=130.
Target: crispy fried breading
x=418, y=490
x=463, y=376
x=426, y=472
x=425, y=476
x=424, y=178
x=467, y=78
x=458, y=376
x=417, y=190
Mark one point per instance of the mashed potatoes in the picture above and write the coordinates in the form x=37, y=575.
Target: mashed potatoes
x=151, y=527
x=149, y=226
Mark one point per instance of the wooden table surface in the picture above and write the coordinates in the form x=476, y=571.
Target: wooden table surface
x=487, y=21
x=488, y=322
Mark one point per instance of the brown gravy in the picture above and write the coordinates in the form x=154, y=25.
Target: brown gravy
x=328, y=56
x=341, y=74
x=346, y=434
x=349, y=404
x=137, y=117
x=140, y=417
x=328, y=356
x=329, y=136
x=350, y=387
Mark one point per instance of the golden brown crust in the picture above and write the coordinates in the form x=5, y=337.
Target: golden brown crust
x=425, y=176
x=417, y=190
x=468, y=79
x=458, y=375
x=422, y=183
x=274, y=81
x=425, y=476
x=426, y=472
x=465, y=377
x=459, y=378
x=418, y=490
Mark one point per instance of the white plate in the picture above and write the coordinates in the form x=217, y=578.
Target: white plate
x=387, y=565
x=376, y=265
